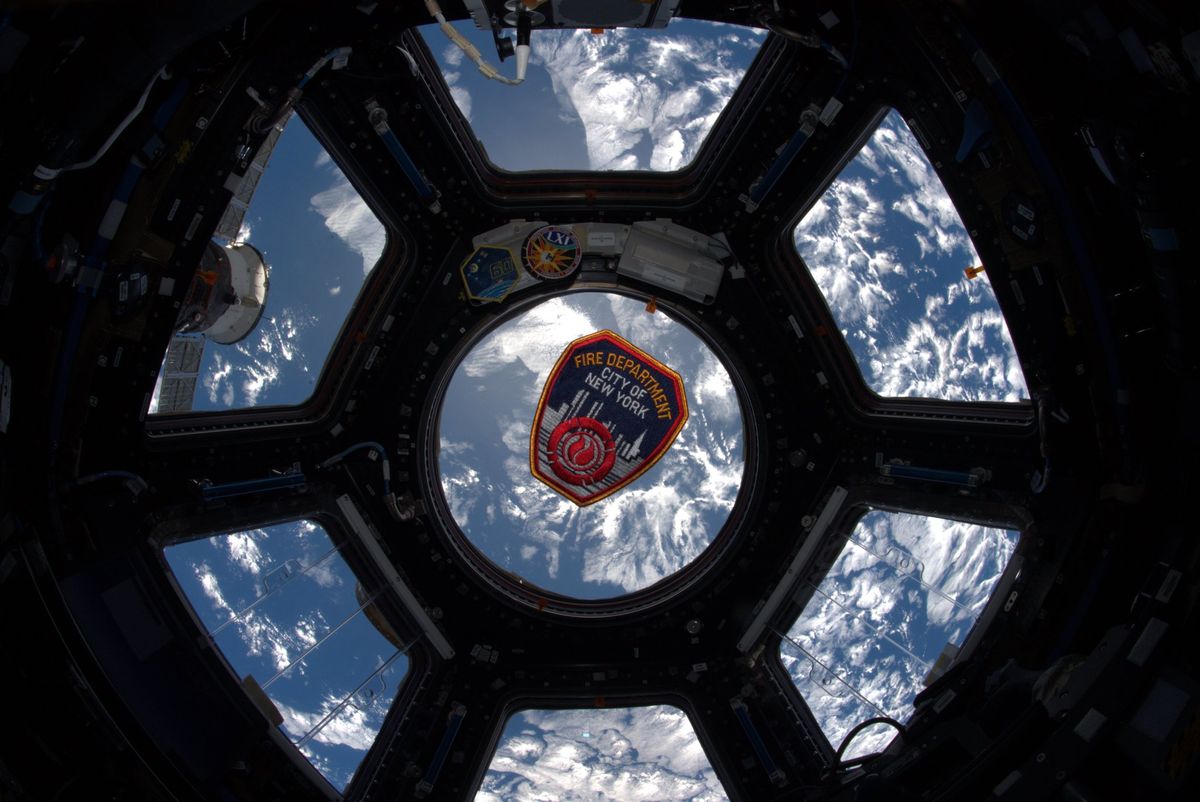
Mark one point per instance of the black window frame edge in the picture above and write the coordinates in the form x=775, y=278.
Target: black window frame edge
x=346, y=355
x=859, y=502
x=322, y=511
x=1017, y=417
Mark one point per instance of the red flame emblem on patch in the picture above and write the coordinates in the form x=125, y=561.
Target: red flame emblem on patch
x=582, y=452
x=608, y=412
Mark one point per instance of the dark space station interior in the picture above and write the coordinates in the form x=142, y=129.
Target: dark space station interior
x=1065, y=133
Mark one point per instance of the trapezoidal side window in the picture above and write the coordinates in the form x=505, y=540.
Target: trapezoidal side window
x=629, y=99
x=614, y=753
x=890, y=255
x=301, y=633
x=889, y=617
x=274, y=286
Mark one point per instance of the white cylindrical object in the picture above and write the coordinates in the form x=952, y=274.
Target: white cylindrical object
x=248, y=276
x=522, y=61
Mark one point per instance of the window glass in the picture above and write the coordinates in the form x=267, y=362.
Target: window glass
x=903, y=588
x=611, y=754
x=889, y=252
x=627, y=99
x=629, y=540
x=291, y=618
x=319, y=240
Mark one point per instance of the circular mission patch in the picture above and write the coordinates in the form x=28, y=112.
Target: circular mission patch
x=552, y=253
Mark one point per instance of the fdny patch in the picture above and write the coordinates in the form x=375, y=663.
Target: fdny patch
x=608, y=412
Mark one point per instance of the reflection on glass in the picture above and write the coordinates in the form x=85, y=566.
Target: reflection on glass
x=628, y=541
x=320, y=241
x=615, y=754
x=630, y=99
x=889, y=252
x=903, y=588
x=291, y=618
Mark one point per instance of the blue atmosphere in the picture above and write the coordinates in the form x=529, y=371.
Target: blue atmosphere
x=284, y=608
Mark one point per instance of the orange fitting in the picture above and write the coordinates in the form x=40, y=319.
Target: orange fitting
x=972, y=272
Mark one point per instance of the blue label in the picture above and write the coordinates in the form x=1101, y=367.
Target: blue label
x=489, y=274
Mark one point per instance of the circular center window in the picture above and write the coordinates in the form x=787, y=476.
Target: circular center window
x=591, y=445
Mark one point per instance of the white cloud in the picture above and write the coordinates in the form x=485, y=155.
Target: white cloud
x=347, y=215
x=462, y=99
x=218, y=376
x=259, y=634
x=244, y=551
x=891, y=271
x=536, y=345
x=452, y=55
x=635, y=537
x=626, y=88
x=350, y=727
x=632, y=754
x=714, y=393
x=875, y=578
x=451, y=447
x=335, y=290
x=259, y=363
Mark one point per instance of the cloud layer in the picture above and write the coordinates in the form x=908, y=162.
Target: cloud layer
x=347, y=215
x=646, y=100
x=887, y=249
x=630, y=754
x=626, y=542
x=904, y=587
x=278, y=362
x=240, y=375
x=301, y=594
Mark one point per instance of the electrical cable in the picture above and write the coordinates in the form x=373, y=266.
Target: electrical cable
x=1041, y=478
x=412, y=62
x=374, y=446
x=472, y=52
x=39, y=224
x=135, y=483
x=260, y=123
x=810, y=40
x=120, y=129
x=859, y=727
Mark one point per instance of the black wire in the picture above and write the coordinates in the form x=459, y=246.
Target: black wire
x=862, y=725
x=858, y=761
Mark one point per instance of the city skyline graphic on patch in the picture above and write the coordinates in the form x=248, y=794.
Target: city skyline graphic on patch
x=608, y=413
